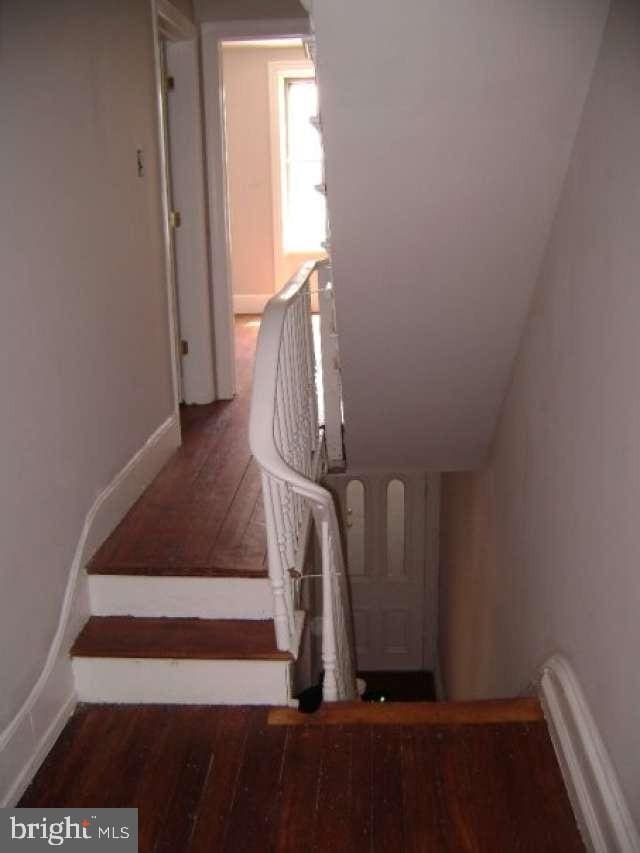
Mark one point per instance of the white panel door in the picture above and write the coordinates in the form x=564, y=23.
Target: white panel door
x=385, y=518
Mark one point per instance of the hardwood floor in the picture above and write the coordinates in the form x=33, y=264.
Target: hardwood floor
x=223, y=779
x=203, y=514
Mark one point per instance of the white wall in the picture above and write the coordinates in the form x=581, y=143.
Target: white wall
x=249, y=171
x=448, y=128
x=564, y=473
x=85, y=371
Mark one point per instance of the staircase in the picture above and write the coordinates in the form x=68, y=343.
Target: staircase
x=196, y=597
x=181, y=660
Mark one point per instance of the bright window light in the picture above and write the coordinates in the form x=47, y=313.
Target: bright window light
x=304, y=213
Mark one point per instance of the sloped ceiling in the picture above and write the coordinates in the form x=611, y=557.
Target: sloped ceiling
x=448, y=129
x=239, y=10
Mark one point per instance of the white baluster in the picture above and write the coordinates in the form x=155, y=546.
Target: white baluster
x=276, y=569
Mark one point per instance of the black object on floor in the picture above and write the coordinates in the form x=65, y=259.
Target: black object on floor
x=310, y=699
x=394, y=686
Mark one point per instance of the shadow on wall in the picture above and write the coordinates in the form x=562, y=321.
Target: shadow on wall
x=468, y=583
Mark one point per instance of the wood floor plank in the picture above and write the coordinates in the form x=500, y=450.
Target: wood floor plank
x=459, y=802
x=241, y=542
x=157, y=786
x=299, y=800
x=360, y=824
x=534, y=786
x=104, y=780
x=420, y=792
x=387, y=831
x=219, y=792
x=150, y=732
x=413, y=713
x=334, y=790
x=182, y=810
x=253, y=820
x=99, y=728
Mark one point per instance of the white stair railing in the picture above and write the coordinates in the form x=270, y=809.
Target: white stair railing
x=288, y=445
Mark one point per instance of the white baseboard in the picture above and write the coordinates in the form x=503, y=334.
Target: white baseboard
x=123, y=491
x=250, y=303
x=597, y=798
x=26, y=740
x=38, y=751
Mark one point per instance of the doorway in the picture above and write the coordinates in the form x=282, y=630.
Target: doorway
x=241, y=199
x=276, y=208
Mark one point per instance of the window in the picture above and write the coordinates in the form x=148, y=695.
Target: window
x=304, y=208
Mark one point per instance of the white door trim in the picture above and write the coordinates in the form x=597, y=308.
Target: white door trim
x=212, y=34
x=168, y=22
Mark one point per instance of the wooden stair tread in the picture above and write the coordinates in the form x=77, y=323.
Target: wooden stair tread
x=484, y=712
x=178, y=638
x=132, y=570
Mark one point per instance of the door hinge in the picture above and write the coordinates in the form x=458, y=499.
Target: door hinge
x=169, y=82
x=175, y=219
x=184, y=347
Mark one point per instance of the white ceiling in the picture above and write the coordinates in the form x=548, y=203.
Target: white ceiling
x=448, y=129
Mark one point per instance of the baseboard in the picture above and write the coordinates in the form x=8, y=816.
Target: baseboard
x=597, y=798
x=38, y=752
x=250, y=303
x=25, y=741
x=123, y=491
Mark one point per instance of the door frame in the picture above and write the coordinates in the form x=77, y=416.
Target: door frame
x=212, y=34
x=168, y=23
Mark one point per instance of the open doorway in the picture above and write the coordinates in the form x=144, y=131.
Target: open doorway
x=276, y=206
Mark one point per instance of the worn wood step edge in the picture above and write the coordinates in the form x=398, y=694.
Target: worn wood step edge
x=484, y=712
x=132, y=570
x=176, y=639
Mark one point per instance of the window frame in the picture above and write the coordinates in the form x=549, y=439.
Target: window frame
x=280, y=71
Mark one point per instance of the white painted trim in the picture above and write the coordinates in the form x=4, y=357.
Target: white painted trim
x=183, y=682
x=50, y=694
x=598, y=801
x=250, y=303
x=165, y=194
x=212, y=34
x=195, y=597
x=40, y=752
x=123, y=491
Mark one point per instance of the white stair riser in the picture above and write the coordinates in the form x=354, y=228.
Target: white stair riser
x=183, y=682
x=202, y=598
